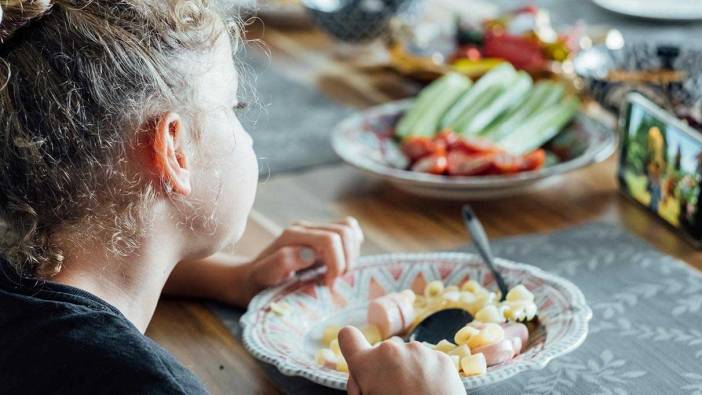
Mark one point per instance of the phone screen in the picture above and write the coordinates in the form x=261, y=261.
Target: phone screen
x=661, y=165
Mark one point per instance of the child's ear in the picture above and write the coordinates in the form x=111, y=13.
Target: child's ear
x=170, y=157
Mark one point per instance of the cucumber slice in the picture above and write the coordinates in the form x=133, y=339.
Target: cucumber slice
x=481, y=103
x=543, y=95
x=555, y=94
x=521, y=111
x=435, y=98
x=540, y=127
x=510, y=97
x=498, y=76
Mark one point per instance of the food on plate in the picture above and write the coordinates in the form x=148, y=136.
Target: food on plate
x=327, y=358
x=496, y=335
x=330, y=333
x=391, y=314
x=520, y=332
x=434, y=289
x=465, y=334
x=473, y=365
x=496, y=126
x=280, y=308
x=499, y=90
x=372, y=333
x=523, y=37
x=497, y=352
x=431, y=105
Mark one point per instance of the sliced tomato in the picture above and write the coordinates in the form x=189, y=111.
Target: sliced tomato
x=506, y=163
x=434, y=164
x=462, y=164
x=534, y=160
x=469, y=145
x=418, y=147
x=448, y=137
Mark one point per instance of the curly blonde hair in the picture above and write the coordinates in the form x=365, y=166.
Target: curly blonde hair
x=77, y=79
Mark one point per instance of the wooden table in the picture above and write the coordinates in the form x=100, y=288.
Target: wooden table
x=393, y=221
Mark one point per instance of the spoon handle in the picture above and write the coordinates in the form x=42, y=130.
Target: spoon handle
x=477, y=233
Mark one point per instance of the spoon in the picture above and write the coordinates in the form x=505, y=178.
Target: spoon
x=477, y=233
x=440, y=325
x=444, y=324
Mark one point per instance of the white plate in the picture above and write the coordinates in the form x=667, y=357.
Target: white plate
x=290, y=341
x=362, y=140
x=677, y=10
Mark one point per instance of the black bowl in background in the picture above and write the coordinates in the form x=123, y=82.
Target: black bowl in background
x=356, y=20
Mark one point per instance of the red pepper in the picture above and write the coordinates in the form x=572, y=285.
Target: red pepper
x=506, y=163
x=534, y=160
x=448, y=138
x=474, y=146
x=417, y=147
x=462, y=164
x=434, y=164
x=524, y=53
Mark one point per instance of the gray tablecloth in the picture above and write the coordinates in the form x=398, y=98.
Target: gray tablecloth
x=646, y=333
x=290, y=123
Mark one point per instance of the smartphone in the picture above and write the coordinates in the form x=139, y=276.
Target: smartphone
x=660, y=166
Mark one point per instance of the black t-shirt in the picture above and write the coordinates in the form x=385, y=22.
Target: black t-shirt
x=56, y=339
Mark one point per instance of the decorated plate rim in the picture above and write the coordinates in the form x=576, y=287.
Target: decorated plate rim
x=574, y=337
x=595, y=153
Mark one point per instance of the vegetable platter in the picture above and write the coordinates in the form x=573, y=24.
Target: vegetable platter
x=462, y=139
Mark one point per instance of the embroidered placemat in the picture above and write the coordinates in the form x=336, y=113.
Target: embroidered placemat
x=646, y=333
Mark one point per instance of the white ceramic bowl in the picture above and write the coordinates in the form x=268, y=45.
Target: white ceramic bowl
x=363, y=139
x=289, y=341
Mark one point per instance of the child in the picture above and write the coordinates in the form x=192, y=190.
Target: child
x=123, y=172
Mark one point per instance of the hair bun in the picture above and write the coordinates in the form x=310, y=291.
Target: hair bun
x=16, y=13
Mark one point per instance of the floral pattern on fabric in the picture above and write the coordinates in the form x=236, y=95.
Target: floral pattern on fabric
x=645, y=335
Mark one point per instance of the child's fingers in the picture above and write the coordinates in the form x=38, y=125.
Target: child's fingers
x=288, y=260
x=352, y=387
x=281, y=265
x=348, y=238
x=328, y=246
x=352, y=343
x=353, y=223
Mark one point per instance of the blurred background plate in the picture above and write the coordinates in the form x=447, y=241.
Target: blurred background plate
x=364, y=141
x=677, y=10
x=473, y=38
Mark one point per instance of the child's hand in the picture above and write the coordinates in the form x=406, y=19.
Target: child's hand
x=396, y=368
x=336, y=246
